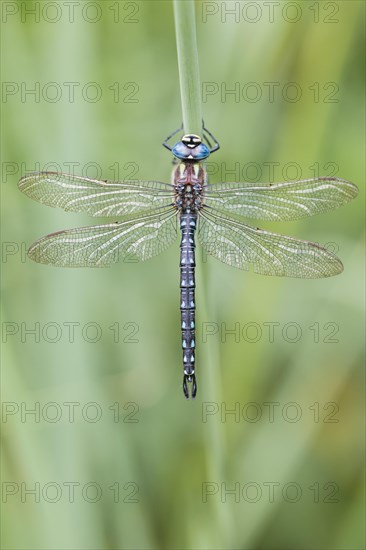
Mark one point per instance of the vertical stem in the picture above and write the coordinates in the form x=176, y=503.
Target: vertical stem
x=190, y=88
x=189, y=73
x=215, y=435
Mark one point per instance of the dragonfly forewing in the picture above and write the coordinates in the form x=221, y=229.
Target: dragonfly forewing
x=280, y=201
x=95, y=197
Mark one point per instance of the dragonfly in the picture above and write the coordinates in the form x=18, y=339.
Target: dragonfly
x=153, y=213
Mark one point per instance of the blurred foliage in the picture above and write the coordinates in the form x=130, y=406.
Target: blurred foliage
x=310, y=451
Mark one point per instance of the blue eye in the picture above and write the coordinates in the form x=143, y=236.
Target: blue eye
x=201, y=151
x=182, y=151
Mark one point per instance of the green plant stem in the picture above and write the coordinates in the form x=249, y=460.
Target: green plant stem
x=190, y=88
x=189, y=74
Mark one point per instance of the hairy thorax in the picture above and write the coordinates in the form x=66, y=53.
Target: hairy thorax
x=189, y=179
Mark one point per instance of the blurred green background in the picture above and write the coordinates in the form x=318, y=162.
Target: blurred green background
x=114, y=455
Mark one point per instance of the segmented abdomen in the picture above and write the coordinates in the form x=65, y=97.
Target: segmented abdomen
x=187, y=290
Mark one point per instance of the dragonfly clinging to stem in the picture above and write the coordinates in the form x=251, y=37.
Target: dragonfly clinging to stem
x=154, y=212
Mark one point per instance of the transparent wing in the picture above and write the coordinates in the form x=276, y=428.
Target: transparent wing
x=246, y=247
x=134, y=240
x=98, y=198
x=280, y=201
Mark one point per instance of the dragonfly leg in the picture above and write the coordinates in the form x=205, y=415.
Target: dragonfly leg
x=165, y=142
x=189, y=379
x=206, y=133
x=216, y=143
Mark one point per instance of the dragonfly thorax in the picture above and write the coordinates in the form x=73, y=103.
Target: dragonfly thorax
x=188, y=197
x=191, y=148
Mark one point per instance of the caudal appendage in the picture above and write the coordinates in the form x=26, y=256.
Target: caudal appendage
x=189, y=386
x=188, y=342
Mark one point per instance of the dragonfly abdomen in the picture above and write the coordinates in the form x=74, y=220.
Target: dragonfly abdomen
x=188, y=222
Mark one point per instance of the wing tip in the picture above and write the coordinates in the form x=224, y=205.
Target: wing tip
x=352, y=187
x=39, y=175
x=340, y=267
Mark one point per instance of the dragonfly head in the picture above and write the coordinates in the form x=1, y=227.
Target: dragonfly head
x=191, y=148
x=191, y=140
